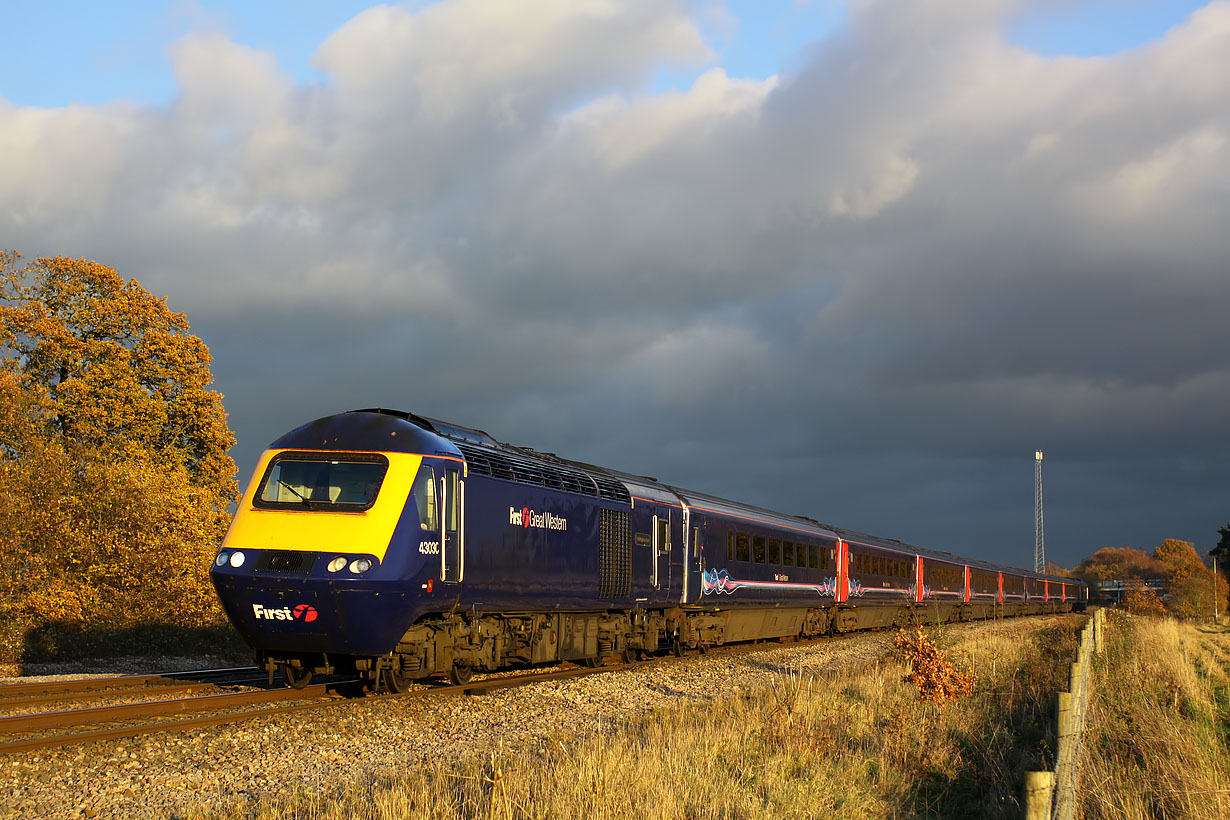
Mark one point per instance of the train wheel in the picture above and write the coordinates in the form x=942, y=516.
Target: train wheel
x=396, y=682
x=590, y=663
x=632, y=655
x=460, y=675
x=677, y=648
x=296, y=678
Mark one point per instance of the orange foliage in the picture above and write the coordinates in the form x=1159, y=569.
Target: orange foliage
x=938, y=681
x=1140, y=600
x=115, y=482
x=1193, y=586
x=1120, y=563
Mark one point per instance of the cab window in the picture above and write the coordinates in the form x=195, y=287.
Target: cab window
x=425, y=494
x=321, y=482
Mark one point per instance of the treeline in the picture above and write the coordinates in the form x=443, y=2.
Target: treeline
x=1194, y=589
x=115, y=482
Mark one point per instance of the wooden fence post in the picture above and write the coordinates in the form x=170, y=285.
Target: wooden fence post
x=1038, y=787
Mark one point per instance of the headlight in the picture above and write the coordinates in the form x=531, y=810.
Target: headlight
x=360, y=565
x=236, y=559
x=337, y=565
x=220, y=561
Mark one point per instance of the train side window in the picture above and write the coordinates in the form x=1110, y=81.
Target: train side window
x=424, y=493
x=775, y=551
x=696, y=542
x=730, y=545
x=788, y=553
x=743, y=547
x=758, y=550
x=664, y=535
x=811, y=555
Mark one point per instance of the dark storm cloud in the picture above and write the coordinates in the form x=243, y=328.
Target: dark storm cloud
x=865, y=291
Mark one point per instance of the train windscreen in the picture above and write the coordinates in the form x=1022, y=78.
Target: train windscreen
x=321, y=482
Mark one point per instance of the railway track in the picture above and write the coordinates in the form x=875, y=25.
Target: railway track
x=30, y=694
x=31, y=731
x=50, y=729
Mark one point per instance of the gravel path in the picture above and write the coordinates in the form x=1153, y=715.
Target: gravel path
x=163, y=776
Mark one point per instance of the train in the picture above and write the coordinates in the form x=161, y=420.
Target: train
x=393, y=547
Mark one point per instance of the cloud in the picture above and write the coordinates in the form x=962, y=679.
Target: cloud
x=925, y=250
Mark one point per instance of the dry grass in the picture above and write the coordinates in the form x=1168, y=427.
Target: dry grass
x=860, y=743
x=1159, y=739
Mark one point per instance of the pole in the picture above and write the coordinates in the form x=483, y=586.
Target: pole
x=1039, y=529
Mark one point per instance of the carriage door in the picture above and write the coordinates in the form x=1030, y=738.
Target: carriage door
x=452, y=530
x=661, y=567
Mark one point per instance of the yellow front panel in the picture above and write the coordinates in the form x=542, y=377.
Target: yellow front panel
x=367, y=532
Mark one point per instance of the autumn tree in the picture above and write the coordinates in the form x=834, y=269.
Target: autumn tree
x=1193, y=586
x=1140, y=600
x=115, y=482
x=1120, y=563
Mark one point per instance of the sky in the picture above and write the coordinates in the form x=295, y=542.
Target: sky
x=853, y=260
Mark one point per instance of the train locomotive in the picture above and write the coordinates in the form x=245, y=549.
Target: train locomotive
x=395, y=547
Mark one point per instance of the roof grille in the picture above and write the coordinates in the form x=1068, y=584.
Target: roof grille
x=529, y=471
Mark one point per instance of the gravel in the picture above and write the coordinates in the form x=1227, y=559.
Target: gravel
x=169, y=774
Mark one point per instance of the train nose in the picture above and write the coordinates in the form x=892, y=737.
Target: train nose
x=355, y=618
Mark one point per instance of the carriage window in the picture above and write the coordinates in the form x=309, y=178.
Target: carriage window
x=730, y=545
x=311, y=482
x=758, y=550
x=664, y=534
x=788, y=553
x=775, y=551
x=812, y=549
x=743, y=546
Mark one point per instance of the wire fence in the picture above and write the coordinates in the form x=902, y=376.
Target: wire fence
x=1052, y=795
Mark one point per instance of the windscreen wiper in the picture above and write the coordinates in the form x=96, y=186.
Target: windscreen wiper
x=302, y=497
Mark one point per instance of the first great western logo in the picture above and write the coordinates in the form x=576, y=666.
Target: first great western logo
x=532, y=519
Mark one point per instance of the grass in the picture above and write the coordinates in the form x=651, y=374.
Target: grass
x=1159, y=734
x=858, y=742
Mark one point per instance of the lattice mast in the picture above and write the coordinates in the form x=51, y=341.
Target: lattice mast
x=1039, y=530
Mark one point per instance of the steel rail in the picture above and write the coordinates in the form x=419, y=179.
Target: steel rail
x=17, y=724
x=118, y=681
x=60, y=697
